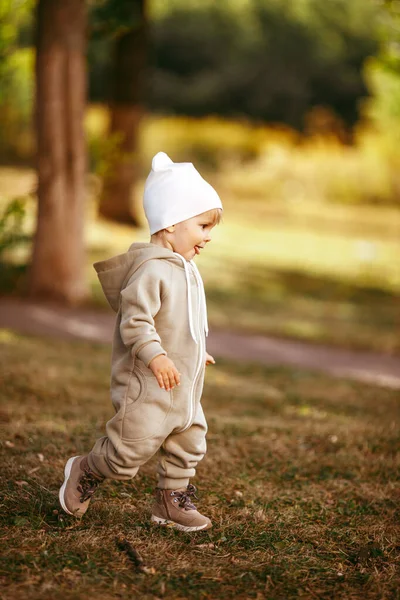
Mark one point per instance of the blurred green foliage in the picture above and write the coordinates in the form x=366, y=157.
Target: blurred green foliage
x=12, y=235
x=272, y=61
x=113, y=18
x=390, y=35
x=16, y=78
x=11, y=225
x=383, y=75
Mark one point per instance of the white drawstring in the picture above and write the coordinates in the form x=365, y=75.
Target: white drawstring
x=202, y=296
x=189, y=300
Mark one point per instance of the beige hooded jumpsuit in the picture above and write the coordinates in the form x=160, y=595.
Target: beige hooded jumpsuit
x=160, y=304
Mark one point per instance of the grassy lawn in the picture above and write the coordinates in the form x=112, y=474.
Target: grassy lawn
x=299, y=479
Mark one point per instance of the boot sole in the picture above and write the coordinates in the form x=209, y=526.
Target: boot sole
x=175, y=525
x=67, y=473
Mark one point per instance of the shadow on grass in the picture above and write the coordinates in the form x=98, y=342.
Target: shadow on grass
x=297, y=304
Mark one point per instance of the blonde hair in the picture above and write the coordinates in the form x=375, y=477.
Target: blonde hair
x=215, y=215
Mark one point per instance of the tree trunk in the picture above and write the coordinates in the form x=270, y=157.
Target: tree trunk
x=129, y=66
x=58, y=261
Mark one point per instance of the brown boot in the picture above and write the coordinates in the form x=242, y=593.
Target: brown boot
x=79, y=486
x=174, y=508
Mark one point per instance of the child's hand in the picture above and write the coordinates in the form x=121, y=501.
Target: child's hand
x=165, y=372
x=209, y=359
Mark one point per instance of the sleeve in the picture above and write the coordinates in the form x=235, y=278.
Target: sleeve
x=140, y=303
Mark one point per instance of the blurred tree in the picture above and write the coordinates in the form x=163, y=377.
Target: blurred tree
x=125, y=22
x=58, y=262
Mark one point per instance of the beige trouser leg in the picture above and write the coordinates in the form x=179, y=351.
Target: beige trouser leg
x=180, y=453
x=121, y=461
x=117, y=458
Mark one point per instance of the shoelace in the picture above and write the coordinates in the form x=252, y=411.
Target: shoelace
x=87, y=485
x=184, y=497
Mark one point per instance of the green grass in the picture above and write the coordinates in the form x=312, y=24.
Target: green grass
x=300, y=480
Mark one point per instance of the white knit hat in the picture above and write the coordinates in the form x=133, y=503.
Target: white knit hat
x=175, y=192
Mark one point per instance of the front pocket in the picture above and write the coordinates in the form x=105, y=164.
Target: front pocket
x=136, y=393
x=147, y=407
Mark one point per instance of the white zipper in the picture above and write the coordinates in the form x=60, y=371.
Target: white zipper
x=192, y=402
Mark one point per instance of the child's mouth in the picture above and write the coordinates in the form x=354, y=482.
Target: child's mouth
x=197, y=249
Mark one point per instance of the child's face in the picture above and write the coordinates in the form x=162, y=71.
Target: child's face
x=189, y=237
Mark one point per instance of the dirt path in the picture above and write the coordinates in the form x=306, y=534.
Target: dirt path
x=97, y=325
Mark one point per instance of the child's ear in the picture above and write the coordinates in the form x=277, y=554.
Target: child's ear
x=170, y=229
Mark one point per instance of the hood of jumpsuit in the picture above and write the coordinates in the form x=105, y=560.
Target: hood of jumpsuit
x=115, y=273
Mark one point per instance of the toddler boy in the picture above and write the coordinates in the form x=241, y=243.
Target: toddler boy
x=159, y=354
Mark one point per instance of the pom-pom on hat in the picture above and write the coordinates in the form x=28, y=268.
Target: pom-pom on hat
x=175, y=192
